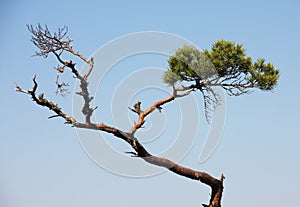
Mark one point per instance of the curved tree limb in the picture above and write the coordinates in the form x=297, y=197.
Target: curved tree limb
x=215, y=184
x=158, y=105
x=48, y=43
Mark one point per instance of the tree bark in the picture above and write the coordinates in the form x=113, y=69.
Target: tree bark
x=215, y=184
x=55, y=44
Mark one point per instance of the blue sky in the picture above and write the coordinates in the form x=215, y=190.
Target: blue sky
x=42, y=162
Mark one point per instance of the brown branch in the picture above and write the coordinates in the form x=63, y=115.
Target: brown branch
x=158, y=105
x=48, y=43
x=145, y=113
x=40, y=100
x=86, y=110
x=56, y=43
x=215, y=184
x=88, y=72
x=90, y=62
x=185, y=93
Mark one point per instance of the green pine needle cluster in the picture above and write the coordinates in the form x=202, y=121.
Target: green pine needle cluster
x=226, y=64
x=263, y=75
x=188, y=64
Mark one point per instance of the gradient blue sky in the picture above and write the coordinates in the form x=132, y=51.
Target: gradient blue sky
x=42, y=162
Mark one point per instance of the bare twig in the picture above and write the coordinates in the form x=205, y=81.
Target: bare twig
x=157, y=105
x=40, y=100
x=54, y=116
x=60, y=87
x=56, y=44
x=46, y=42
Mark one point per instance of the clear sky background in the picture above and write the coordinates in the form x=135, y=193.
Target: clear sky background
x=42, y=162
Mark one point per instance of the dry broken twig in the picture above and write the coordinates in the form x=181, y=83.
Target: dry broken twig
x=56, y=44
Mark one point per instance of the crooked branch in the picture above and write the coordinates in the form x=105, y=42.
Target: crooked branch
x=56, y=44
x=215, y=184
x=158, y=105
x=40, y=100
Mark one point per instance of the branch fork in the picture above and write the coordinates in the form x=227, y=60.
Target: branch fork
x=48, y=43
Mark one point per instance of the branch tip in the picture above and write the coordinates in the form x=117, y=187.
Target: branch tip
x=54, y=116
x=222, y=177
x=133, y=154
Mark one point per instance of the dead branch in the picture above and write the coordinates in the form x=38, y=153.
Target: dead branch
x=56, y=44
x=60, y=87
x=157, y=105
x=40, y=100
x=215, y=184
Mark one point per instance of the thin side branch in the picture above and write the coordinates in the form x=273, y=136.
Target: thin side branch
x=157, y=105
x=215, y=184
x=61, y=87
x=40, y=100
x=56, y=44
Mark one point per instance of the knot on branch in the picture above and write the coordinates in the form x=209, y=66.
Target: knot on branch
x=70, y=64
x=41, y=97
x=91, y=61
x=222, y=177
x=136, y=108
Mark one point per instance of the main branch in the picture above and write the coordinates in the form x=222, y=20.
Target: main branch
x=158, y=105
x=56, y=44
x=140, y=151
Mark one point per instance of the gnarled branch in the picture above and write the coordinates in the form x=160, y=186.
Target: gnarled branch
x=56, y=44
